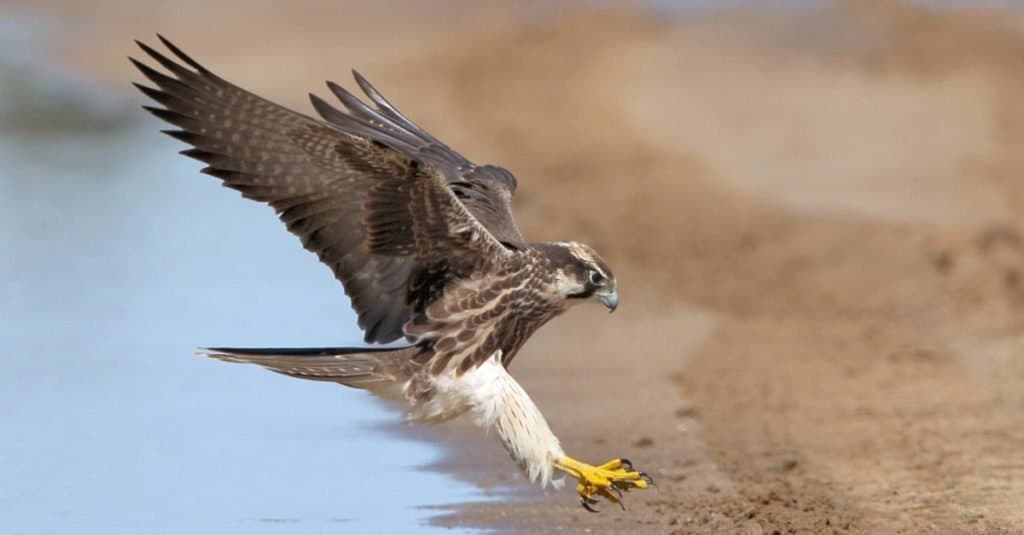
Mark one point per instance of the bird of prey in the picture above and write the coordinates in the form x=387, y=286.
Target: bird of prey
x=423, y=242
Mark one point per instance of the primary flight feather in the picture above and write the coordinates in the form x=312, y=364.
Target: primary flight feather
x=423, y=242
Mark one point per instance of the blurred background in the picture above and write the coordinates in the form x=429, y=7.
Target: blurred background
x=815, y=210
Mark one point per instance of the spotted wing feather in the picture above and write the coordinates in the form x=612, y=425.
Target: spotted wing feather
x=383, y=221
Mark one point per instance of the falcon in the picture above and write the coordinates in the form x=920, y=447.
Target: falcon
x=423, y=242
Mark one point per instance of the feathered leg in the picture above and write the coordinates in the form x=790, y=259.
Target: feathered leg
x=499, y=402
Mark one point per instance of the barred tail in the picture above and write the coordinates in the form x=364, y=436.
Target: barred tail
x=369, y=368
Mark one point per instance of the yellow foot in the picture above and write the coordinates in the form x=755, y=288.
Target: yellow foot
x=608, y=480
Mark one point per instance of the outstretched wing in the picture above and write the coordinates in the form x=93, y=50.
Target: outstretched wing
x=485, y=190
x=388, y=224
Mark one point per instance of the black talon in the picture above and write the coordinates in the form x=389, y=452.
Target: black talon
x=589, y=504
x=647, y=477
x=624, y=485
x=626, y=464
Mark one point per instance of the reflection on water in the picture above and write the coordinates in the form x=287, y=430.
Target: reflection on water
x=117, y=259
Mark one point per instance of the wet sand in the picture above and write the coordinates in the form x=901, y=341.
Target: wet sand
x=816, y=218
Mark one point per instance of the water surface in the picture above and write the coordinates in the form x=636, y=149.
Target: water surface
x=117, y=259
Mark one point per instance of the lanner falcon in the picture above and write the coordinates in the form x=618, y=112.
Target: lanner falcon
x=424, y=243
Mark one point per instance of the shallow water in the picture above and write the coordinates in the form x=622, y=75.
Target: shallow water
x=118, y=259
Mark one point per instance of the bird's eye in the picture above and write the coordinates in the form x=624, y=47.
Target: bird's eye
x=596, y=278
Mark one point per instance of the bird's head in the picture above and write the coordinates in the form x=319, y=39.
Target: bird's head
x=581, y=274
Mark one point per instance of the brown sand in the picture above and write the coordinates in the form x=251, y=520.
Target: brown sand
x=817, y=220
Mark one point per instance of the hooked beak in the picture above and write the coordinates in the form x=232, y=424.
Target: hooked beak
x=610, y=299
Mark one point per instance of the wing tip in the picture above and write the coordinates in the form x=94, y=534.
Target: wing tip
x=328, y=112
x=182, y=55
x=169, y=63
x=139, y=64
x=319, y=104
x=360, y=79
x=146, y=48
x=370, y=91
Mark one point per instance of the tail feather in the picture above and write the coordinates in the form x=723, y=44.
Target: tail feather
x=350, y=366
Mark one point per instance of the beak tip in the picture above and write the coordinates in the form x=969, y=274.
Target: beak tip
x=611, y=301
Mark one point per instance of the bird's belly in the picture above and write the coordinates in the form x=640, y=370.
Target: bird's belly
x=453, y=393
x=447, y=399
x=442, y=406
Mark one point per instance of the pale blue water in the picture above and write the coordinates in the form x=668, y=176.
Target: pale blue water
x=117, y=259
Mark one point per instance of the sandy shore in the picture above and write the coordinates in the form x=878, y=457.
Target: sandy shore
x=817, y=220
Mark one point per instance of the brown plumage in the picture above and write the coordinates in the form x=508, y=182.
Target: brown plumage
x=419, y=236
x=422, y=240
x=345, y=188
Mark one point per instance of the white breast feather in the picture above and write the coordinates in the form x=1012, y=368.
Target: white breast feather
x=497, y=401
